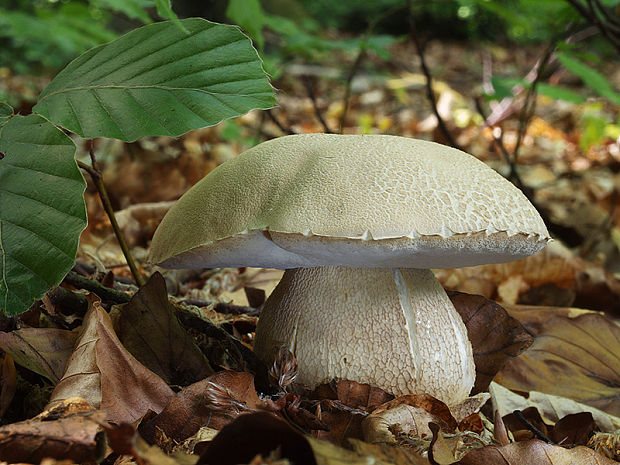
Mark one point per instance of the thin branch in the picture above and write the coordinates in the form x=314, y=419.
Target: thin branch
x=285, y=130
x=347, y=89
x=538, y=433
x=221, y=307
x=504, y=108
x=590, y=14
x=105, y=293
x=513, y=175
x=611, y=19
x=430, y=94
x=96, y=175
x=317, y=111
x=361, y=54
x=529, y=107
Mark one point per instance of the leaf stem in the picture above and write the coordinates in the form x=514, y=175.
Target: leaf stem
x=97, y=177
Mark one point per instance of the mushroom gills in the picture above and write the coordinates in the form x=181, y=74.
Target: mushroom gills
x=392, y=328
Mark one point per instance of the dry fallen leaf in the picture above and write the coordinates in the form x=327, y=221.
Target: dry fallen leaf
x=495, y=336
x=42, y=350
x=575, y=429
x=519, y=421
x=385, y=454
x=427, y=402
x=551, y=407
x=253, y=434
x=362, y=396
x=212, y=402
x=262, y=433
x=469, y=406
x=410, y=416
x=101, y=371
x=68, y=431
x=124, y=440
x=589, y=284
x=440, y=452
x=574, y=358
x=352, y=394
x=8, y=382
x=535, y=317
x=412, y=421
x=148, y=328
x=534, y=452
x=342, y=407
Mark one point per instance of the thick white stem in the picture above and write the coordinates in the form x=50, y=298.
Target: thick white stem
x=392, y=328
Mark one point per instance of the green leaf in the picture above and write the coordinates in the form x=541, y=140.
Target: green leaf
x=42, y=210
x=249, y=15
x=559, y=93
x=134, y=9
x=164, y=10
x=159, y=81
x=6, y=111
x=380, y=44
x=591, y=78
x=503, y=88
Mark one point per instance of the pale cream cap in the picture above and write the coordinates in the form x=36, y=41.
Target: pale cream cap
x=349, y=200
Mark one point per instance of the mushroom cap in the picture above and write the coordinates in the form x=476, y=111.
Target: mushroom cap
x=349, y=200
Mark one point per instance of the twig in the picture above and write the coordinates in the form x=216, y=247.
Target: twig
x=612, y=21
x=188, y=319
x=361, y=54
x=97, y=177
x=105, y=293
x=487, y=72
x=513, y=175
x=221, y=307
x=504, y=108
x=254, y=365
x=591, y=14
x=317, y=111
x=285, y=130
x=529, y=107
x=347, y=87
x=84, y=269
x=430, y=94
x=538, y=433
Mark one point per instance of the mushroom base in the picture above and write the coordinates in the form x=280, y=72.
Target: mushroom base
x=392, y=328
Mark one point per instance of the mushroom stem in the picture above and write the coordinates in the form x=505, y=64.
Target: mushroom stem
x=392, y=328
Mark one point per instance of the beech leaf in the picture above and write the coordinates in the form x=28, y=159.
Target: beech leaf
x=534, y=452
x=159, y=80
x=495, y=336
x=42, y=350
x=149, y=329
x=213, y=402
x=574, y=358
x=105, y=374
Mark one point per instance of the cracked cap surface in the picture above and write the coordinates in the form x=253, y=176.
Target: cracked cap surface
x=351, y=200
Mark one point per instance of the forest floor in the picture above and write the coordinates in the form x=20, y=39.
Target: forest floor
x=553, y=357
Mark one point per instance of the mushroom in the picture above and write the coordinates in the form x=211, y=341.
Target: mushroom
x=357, y=222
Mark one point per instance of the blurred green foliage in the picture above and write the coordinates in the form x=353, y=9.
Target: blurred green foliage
x=301, y=38
x=43, y=35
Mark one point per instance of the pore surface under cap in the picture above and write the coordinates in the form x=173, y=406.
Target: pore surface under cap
x=394, y=194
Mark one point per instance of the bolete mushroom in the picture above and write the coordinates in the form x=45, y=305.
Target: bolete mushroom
x=357, y=221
